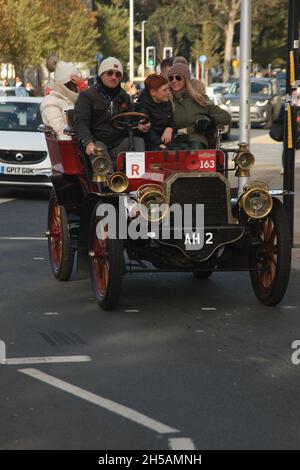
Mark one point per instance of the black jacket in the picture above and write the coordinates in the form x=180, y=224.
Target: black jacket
x=160, y=115
x=277, y=129
x=92, y=113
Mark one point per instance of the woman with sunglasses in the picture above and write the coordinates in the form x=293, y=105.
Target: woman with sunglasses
x=96, y=106
x=194, y=114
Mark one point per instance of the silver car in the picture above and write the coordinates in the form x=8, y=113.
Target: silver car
x=264, y=105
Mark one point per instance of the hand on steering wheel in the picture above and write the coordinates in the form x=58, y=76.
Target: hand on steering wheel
x=128, y=120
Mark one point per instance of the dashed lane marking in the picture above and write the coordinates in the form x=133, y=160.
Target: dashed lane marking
x=45, y=360
x=23, y=238
x=3, y=201
x=181, y=443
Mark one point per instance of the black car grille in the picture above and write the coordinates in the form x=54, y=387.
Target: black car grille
x=22, y=157
x=210, y=191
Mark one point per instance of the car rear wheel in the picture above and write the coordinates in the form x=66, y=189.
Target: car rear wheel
x=107, y=265
x=60, y=251
x=271, y=258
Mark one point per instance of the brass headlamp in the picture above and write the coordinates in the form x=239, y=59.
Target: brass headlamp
x=256, y=201
x=153, y=202
x=101, y=165
x=244, y=160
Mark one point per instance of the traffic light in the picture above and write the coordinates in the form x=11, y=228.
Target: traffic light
x=168, y=52
x=150, y=56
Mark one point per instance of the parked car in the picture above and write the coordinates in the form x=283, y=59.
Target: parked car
x=219, y=100
x=221, y=87
x=24, y=160
x=13, y=91
x=265, y=101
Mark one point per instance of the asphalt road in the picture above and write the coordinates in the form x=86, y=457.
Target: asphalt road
x=181, y=363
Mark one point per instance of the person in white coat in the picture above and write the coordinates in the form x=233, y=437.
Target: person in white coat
x=63, y=95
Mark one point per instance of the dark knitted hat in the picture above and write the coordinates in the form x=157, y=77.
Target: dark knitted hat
x=180, y=69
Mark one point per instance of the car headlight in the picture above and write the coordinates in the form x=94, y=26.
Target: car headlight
x=262, y=103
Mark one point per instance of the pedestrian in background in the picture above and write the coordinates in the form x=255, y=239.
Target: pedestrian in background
x=18, y=81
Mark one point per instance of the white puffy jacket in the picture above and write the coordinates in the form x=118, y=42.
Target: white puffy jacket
x=53, y=107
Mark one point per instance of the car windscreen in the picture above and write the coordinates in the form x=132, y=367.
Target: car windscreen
x=16, y=116
x=257, y=88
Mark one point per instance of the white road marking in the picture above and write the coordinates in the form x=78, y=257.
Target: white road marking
x=105, y=403
x=2, y=352
x=46, y=360
x=131, y=311
x=2, y=201
x=181, y=443
x=208, y=308
x=38, y=258
x=51, y=313
x=23, y=238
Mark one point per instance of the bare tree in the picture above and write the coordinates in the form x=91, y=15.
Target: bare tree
x=224, y=14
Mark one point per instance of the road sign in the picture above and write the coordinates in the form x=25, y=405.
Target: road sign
x=99, y=56
x=202, y=58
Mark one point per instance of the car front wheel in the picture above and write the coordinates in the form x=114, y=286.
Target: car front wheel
x=270, y=259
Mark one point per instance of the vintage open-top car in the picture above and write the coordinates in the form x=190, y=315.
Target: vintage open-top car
x=163, y=211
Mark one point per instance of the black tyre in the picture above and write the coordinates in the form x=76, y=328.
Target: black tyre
x=202, y=274
x=60, y=251
x=272, y=257
x=107, y=266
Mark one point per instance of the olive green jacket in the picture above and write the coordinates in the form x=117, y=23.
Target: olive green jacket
x=187, y=111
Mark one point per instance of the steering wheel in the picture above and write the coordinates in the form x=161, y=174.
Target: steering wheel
x=128, y=120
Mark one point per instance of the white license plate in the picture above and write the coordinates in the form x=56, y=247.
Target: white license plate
x=234, y=109
x=16, y=170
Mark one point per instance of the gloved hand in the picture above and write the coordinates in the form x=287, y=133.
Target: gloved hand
x=203, y=123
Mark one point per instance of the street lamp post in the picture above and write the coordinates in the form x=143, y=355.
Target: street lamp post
x=131, y=39
x=245, y=61
x=143, y=48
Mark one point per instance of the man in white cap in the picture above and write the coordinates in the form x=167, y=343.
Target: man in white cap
x=96, y=106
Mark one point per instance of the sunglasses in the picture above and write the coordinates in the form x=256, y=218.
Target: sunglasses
x=110, y=73
x=175, y=77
